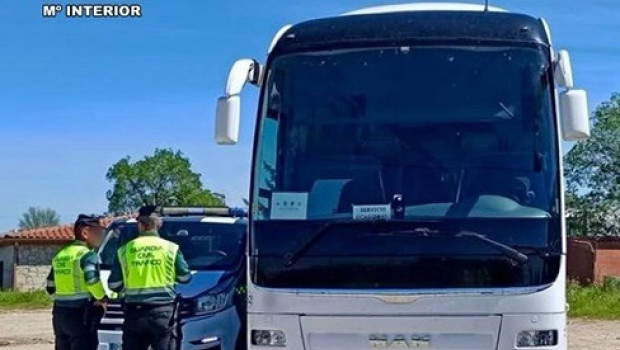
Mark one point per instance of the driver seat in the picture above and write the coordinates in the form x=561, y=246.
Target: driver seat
x=501, y=174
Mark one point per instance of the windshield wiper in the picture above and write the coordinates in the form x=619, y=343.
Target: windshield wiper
x=507, y=250
x=291, y=258
x=511, y=253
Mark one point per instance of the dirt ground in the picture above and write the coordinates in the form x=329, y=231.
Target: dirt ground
x=594, y=335
x=26, y=330
x=31, y=330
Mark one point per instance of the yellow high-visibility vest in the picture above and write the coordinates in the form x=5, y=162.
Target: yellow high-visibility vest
x=68, y=273
x=147, y=263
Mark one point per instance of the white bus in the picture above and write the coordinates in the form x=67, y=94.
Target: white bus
x=406, y=188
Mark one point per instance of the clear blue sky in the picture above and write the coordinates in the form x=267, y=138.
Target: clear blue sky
x=77, y=95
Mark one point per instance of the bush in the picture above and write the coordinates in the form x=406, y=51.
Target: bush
x=595, y=301
x=24, y=300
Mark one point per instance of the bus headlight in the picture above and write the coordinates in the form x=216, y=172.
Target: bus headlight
x=212, y=303
x=531, y=339
x=268, y=338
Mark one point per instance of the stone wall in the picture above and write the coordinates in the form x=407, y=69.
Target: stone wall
x=37, y=254
x=34, y=262
x=29, y=277
x=34, y=265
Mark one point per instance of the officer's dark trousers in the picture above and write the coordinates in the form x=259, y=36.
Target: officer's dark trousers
x=148, y=326
x=72, y=330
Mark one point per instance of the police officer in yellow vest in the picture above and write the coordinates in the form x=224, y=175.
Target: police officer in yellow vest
x=79, y=297
x=146, y=271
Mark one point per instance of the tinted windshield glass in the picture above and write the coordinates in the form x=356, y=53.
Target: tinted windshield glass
x=212, y=246
x=461, y=134
x=438, y=126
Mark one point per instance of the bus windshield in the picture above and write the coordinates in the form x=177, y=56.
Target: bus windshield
x=464, y=137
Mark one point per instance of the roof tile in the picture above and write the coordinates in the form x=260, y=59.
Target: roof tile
x=61, y=233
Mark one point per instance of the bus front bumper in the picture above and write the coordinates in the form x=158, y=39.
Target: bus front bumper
x=463, y=332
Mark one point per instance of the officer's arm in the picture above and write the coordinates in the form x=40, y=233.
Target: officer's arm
x=115, y=282
x=50, y=287
x=90, y=266
x=184, y=275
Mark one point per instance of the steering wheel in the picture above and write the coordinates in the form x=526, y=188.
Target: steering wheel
x=487, y=202
x=521, y=191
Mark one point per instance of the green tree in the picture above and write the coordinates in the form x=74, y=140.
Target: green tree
x=38, y=217
x=163, y=179
x=592, y=171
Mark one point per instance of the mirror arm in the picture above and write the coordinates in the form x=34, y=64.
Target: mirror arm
x=243, y=71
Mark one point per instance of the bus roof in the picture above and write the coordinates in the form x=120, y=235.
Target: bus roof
x=392, y=28
x=424, y=6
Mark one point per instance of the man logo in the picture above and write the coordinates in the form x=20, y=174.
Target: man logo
x=399, y=341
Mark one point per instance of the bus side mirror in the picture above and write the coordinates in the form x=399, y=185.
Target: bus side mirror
x=227, y=115
x=573, y=102
x=574, y=114
x=228, y=109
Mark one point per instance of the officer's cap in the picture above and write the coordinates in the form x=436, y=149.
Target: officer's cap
x=89, y=220
x=147, y=210
x=148, y=215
